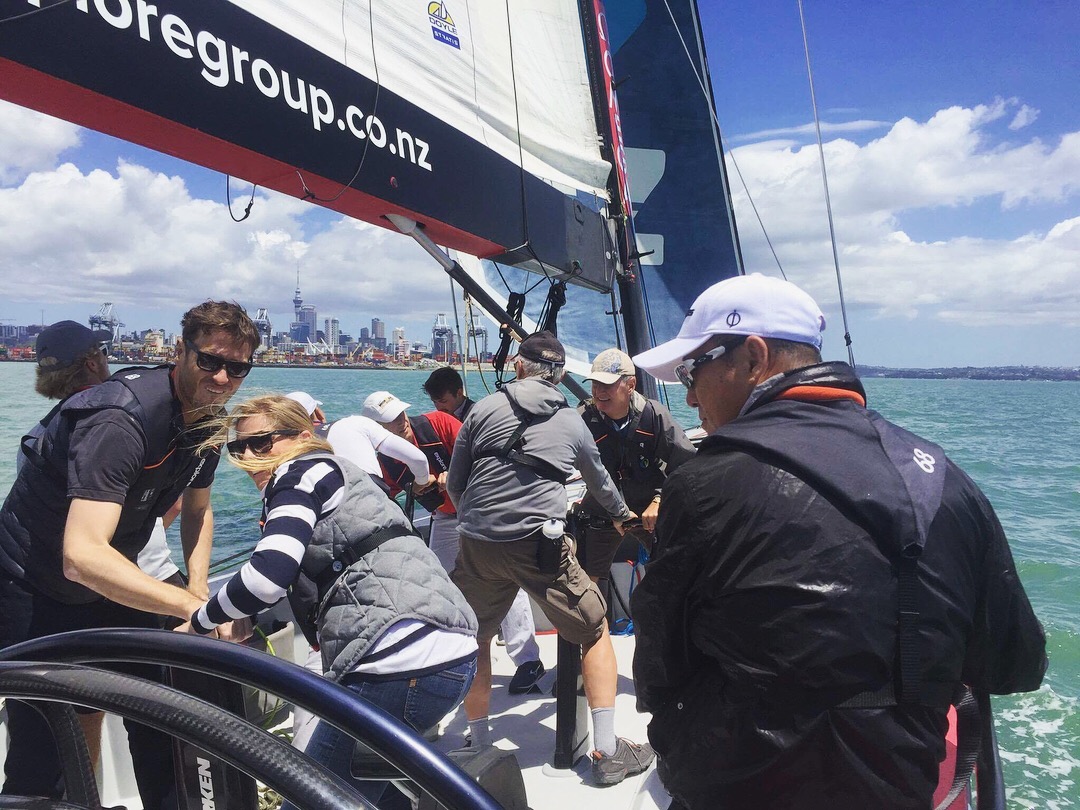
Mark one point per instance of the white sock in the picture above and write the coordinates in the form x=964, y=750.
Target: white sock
x=603, y=729
x=480, y=732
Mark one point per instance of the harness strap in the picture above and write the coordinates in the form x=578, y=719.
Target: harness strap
x=326, y=578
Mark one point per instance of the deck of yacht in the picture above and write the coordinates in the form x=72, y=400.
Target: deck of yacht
x=525, y=725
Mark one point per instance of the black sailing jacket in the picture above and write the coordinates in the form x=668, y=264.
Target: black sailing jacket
x=772, y=598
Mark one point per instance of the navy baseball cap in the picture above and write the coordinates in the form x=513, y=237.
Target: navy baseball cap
x=62, y=343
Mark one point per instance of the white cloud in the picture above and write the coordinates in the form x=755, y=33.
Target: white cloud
x=30, y=141
x=940, y=167
x=809, y=130
x=1024, y=116
x=140, y=239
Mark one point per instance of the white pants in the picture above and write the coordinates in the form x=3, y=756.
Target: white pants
x=518, y=629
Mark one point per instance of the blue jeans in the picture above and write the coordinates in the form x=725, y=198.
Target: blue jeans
x=420, y=702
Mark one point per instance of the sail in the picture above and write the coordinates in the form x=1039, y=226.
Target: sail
x=682, y=214
x=472, y=117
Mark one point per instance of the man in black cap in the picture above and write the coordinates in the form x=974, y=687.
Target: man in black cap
x=507, y=478
x=70, y=357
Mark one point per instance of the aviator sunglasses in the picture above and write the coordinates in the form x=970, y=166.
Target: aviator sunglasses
x=685, y=370
x=260, y=443
x=211, y=363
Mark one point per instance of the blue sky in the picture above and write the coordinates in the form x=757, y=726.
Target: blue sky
x=952, y=135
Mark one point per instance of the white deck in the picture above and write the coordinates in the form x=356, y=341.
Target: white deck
x=525, y=724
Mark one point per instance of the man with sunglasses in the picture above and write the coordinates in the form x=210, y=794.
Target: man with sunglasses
x=823, y=581
x=114, y=459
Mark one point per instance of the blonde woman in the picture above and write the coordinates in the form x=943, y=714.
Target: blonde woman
x=366, y=591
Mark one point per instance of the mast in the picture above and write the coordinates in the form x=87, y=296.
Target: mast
x=609, y=123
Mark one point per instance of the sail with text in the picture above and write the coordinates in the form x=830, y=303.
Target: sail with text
x=653, y=109
x=472, y=117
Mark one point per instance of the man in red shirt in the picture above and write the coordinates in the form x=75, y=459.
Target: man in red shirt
x=435, y=433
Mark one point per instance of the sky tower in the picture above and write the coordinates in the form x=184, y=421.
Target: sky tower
x=297, y=301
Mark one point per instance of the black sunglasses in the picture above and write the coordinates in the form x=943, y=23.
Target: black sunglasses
x=260, y=444
x=685, y=370
x=237, y=369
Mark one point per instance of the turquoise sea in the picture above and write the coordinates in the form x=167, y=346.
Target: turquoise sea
x=1018, y=440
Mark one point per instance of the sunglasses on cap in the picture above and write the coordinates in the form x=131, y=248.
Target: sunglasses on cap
x=237, y=369
x=260, y=443
x=685, y=370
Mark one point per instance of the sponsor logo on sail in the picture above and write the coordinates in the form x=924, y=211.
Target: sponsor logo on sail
x=442, y=24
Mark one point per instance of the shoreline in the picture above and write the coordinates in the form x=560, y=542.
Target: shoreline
x=1000, y=373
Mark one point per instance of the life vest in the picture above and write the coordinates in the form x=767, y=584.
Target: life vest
x=634, y=456
x=39, y=497
x=424, y=437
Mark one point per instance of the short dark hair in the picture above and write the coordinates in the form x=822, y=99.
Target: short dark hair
x=794, y=354
x=220, y=316
x=444, y=380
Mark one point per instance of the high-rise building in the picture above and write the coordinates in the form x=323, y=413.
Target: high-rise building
x=378, y=334
x=332, y=333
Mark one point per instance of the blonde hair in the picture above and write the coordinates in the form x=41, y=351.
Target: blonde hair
x=283, y=414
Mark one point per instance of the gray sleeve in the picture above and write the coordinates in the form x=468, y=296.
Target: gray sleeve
x=461, y=461
x=596, y=478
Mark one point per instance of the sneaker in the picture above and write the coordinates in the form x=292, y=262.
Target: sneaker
x=629, y=759
x=526, y=677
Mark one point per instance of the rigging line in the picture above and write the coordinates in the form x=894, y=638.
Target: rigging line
x=470, y=320
x=308, y=193
x=517, y=131
x=228, y=200
x=457, y=326
x=26, y=14
x=719, y=134
x=825, y=183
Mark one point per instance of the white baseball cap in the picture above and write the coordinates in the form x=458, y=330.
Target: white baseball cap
x=744, y=305
x=307, y=401
x=383, y=407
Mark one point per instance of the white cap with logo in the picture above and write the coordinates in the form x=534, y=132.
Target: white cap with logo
x=383, y=407
x=744, y=305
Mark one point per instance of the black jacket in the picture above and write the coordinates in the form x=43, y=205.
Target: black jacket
x=772, y=598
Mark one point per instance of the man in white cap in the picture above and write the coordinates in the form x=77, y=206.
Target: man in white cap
x=823, y=582
x=435, y=433
x=360, y=440
x=639, y=444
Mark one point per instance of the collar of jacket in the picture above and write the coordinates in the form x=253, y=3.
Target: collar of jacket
x=822, y=381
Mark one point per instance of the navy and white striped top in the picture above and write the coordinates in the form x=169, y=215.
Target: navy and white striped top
x=302, y=492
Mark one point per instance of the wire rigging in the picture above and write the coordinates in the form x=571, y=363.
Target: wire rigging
x=308, y=193
x=825, y=183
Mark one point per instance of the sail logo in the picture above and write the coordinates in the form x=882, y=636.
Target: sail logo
x=442, y=24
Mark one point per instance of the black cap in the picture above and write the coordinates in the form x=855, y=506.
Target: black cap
x=62, y=343
x=542, y=347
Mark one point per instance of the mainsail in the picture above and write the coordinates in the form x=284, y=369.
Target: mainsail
x=435, y=111
x=495, y=126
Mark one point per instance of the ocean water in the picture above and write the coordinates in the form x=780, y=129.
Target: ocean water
x=1018, y=440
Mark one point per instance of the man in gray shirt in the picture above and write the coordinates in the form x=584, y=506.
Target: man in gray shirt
x=507, y=477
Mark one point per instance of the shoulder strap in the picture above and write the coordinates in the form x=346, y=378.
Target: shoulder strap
x=350, y=555
x=514, y=451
